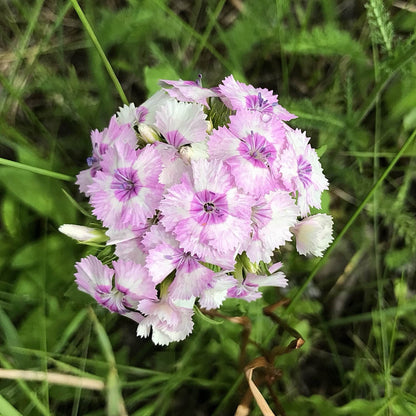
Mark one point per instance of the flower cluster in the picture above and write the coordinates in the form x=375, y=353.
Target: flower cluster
x=195, y=211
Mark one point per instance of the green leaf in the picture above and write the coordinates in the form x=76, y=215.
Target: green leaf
x=152, y=75
x=10, y=216
x=205, y=318
x=39, y=193
x=6, y=409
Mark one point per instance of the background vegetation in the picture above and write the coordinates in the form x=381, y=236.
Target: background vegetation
x=348, y=70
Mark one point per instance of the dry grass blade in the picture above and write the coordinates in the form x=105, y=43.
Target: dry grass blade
x=260, y=400
x=53, y=378
x=265, y=362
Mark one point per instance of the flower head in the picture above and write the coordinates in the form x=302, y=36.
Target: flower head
x=193, y=212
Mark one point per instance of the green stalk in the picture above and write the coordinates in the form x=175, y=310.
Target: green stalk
x=323, y=259
x=39, y=171
x=100, y=51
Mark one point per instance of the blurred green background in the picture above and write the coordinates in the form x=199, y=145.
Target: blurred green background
x=347, y=69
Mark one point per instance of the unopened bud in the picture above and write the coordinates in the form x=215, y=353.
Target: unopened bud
x=83, y=234
x=247, y=264
x=210, y=126
x=147, y=133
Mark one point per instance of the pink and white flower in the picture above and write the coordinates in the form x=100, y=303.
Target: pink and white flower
x=206, y=213
x=189, y=91
x=272, y=217
x=167, y=321
x=251, y=150
x=301, y=171
x=101, y=141
x=131, y=285
x=239, y=96
x=127, y=192
x=313, y=234
x=194, y=212
x=248, y=288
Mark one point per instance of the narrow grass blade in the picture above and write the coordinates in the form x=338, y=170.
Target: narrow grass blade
x=100, y=51
x=31, y=395
x=39, y=171
x=6, y=409
x=115, y=403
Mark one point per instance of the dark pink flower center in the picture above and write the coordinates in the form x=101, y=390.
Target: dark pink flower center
x=257, y=150
x=125, y=184
x=258, y=103
x=209, y=207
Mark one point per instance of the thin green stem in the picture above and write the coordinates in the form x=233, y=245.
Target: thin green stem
x=39, y=171
x=192, y=32
x=100, y=51
x=207, y=32
x=382, y=84
x=357, y=212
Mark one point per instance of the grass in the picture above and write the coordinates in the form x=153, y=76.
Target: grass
x=347, y=71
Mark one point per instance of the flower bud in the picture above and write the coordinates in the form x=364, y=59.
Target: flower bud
x=83, y=234
x=147, y=133
x=210, y=126
x=313, y=234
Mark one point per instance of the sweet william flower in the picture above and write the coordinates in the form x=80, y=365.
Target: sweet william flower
x=313, y=234
x=272, y=217
x=239, y=96
x=167, y=320
x=127, y=191
x=101, y=142
x=251, y=150
x=248, y=288
x=181, y=199
x=216, y=292
x=165, y=256
x=189, y=91
x=206, y=213
x=131, y=285
x=182, y=125
x=301, y=172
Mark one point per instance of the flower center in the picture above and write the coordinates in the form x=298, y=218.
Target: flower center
x=209, y=207
x=125, y=184
x=258, y=103
x=257, y=150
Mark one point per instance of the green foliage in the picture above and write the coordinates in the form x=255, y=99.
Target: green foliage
x=381, y=28
x=324, y=40
x=349, y=74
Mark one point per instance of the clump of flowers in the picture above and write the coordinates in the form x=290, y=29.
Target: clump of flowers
x=196, y=210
